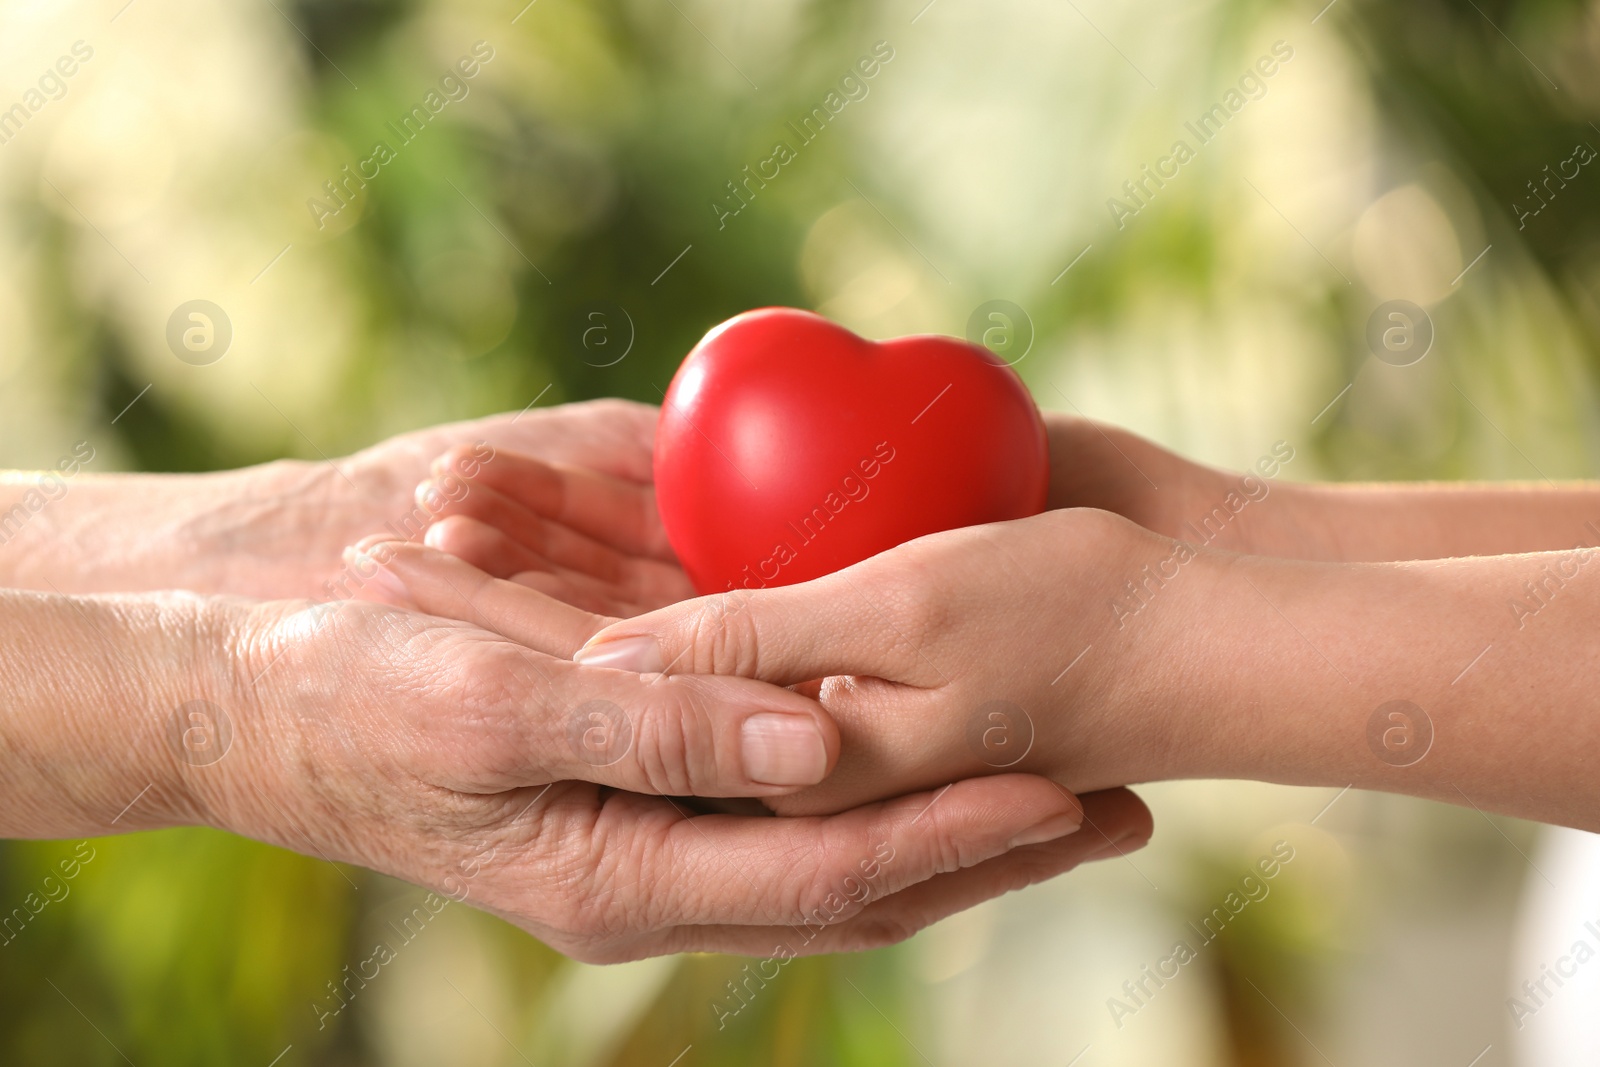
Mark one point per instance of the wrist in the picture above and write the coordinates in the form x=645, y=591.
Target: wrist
x=233, y=743
x=1117, y=684
x=236, y=531
x=1197, y=665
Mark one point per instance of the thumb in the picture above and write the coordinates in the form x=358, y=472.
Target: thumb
x=788, y=635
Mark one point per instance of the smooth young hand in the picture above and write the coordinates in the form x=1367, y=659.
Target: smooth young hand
x=1078, y=645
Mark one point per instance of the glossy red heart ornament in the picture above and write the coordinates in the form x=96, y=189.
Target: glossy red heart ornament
x=789, y=448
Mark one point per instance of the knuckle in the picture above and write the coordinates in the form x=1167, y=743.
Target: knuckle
x=836, y=894
x=942, y=850
x=825, y=905
x=670, y=736
x=1093, y=528
x=587, y=907
x=947, y=852
x=480, y=705
x=723, y=637
x=493, y=686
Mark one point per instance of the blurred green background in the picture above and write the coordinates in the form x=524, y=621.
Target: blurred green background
x=584, y=171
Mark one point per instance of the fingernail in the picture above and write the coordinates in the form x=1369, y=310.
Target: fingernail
x=642, y=655
x=783, y=750
x=427, y=496
x=1052, y=828
x=455, y=461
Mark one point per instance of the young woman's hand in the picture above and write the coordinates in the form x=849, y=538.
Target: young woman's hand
x=1097, y=465
x=1078, y=645
x=1005, y=646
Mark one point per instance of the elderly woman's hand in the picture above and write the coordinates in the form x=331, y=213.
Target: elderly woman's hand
x=277, y=530
x=582, y=536
x=446, y=754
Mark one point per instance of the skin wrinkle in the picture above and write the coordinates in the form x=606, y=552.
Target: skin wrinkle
x=63, y=649
x=603, y=874
x=493, y=738
x=661, y=743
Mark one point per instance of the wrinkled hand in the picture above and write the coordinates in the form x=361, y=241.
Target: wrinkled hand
x=444, y=753
x=582, y=536
x=277, y=530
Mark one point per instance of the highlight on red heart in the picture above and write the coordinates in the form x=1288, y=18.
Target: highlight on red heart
x=789, y=447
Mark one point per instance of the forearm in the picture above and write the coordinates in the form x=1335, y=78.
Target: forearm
x=1286, y=672
x=90, y=741
x=1260, y=512
x=1380, y=522
x=269, y=531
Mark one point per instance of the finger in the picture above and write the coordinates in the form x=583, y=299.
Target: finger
x=551, y=539
x=612, y=436
x=835, y=625
x=503, y=716
x=897, y=917
x=484, y=546
x=436, y=583
x=818, y=871
x=614, y=510
x=535, y=720
x=478, y=544
x=571, y=590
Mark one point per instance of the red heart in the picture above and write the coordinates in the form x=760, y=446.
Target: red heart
x=789, y=447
